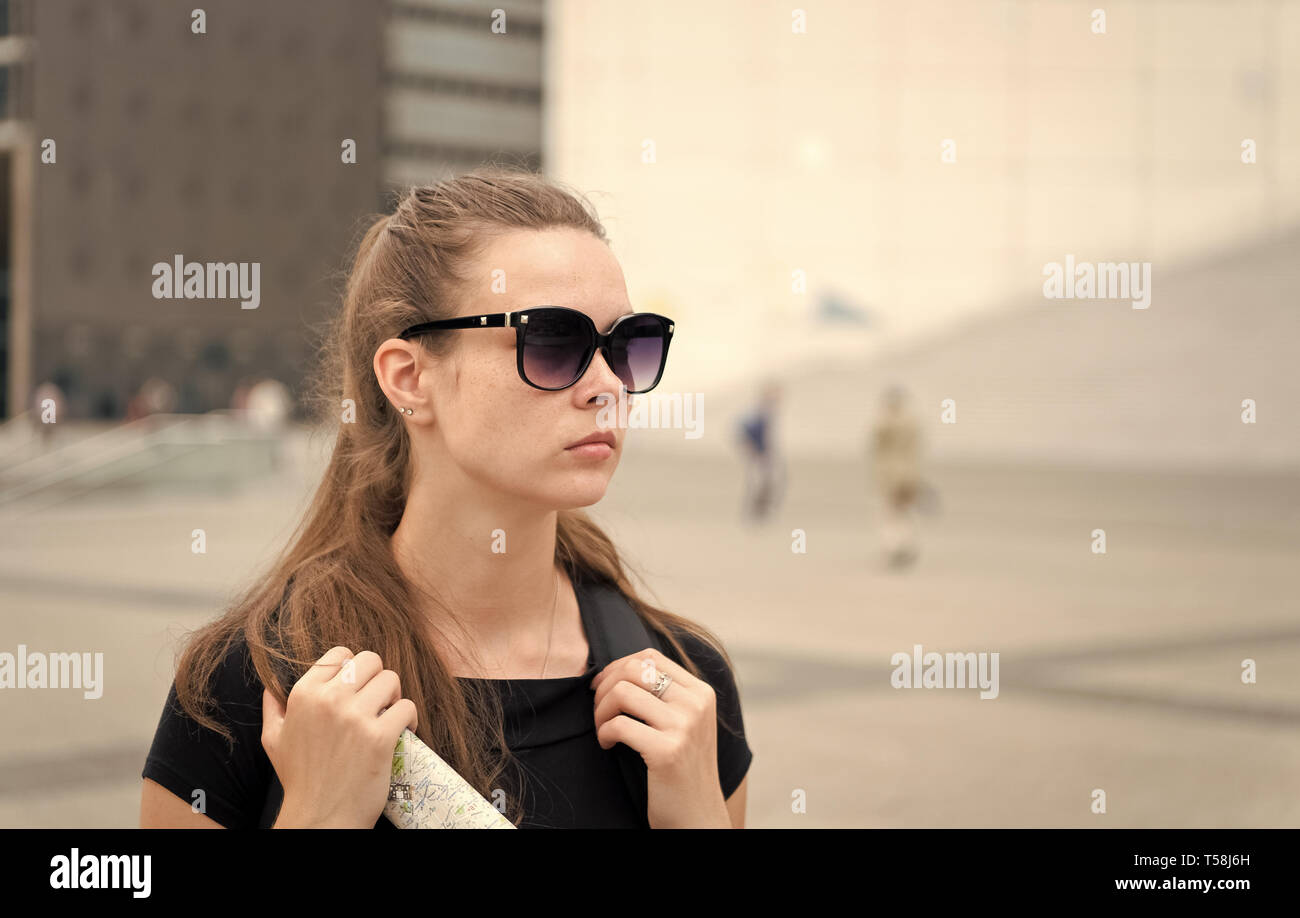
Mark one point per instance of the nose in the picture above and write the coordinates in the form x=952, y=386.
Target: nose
x=602, y=376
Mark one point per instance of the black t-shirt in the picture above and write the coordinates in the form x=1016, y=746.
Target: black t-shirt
x=569, y=781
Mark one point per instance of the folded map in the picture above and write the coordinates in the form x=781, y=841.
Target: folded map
x=425, y=793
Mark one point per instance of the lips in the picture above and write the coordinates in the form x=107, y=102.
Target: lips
x=601, y=437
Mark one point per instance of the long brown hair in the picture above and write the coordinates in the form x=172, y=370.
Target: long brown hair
x=336, y=582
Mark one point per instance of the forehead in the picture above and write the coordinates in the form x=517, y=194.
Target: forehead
x=553, y=267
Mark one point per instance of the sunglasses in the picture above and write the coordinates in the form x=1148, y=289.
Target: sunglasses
x=554, y=345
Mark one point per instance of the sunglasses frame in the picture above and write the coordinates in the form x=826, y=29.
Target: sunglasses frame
x=518, y=320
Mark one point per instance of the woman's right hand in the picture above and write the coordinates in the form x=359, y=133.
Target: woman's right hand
x=332, y=743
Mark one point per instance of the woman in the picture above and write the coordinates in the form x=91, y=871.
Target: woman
x=445, y=556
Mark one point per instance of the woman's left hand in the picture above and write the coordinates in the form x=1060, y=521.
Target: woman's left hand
x=678, y=739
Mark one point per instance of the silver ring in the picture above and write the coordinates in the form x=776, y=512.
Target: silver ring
x=661, y=685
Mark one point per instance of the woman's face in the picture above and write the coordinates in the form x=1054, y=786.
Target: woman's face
x=481, y=421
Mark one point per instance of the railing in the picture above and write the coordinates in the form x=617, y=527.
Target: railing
x=128, y=452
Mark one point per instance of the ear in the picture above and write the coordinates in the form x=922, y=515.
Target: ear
x=400, y=367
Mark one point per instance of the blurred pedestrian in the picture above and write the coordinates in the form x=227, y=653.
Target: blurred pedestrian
x=267, y=409
x=239, y=399
x=895, y=446
x=154, y=397
x=762, y=465
x=268, y=405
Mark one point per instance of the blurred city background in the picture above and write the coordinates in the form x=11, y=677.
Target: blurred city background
x=829, y=214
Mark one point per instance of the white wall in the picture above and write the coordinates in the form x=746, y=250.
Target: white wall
x=821, y=151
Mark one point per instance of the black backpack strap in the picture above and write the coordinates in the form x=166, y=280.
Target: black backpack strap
x=619, y=630
x=616, y=631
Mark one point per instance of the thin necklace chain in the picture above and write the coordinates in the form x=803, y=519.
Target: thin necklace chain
x=550, y=635
x=554, y=602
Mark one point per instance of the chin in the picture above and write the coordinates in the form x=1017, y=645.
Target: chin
x=577, y=491
x=577, y=498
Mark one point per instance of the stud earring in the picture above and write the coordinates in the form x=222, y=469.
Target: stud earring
x=408, y=411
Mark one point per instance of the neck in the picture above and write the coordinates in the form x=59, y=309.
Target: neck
x=498, y=602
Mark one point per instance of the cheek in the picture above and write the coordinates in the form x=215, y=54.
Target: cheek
x=495, y=422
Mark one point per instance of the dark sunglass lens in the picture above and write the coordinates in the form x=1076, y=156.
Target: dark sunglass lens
x=638, y=352
x=556, y=345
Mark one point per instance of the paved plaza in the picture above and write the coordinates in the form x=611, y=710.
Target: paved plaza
x=1118, y=671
